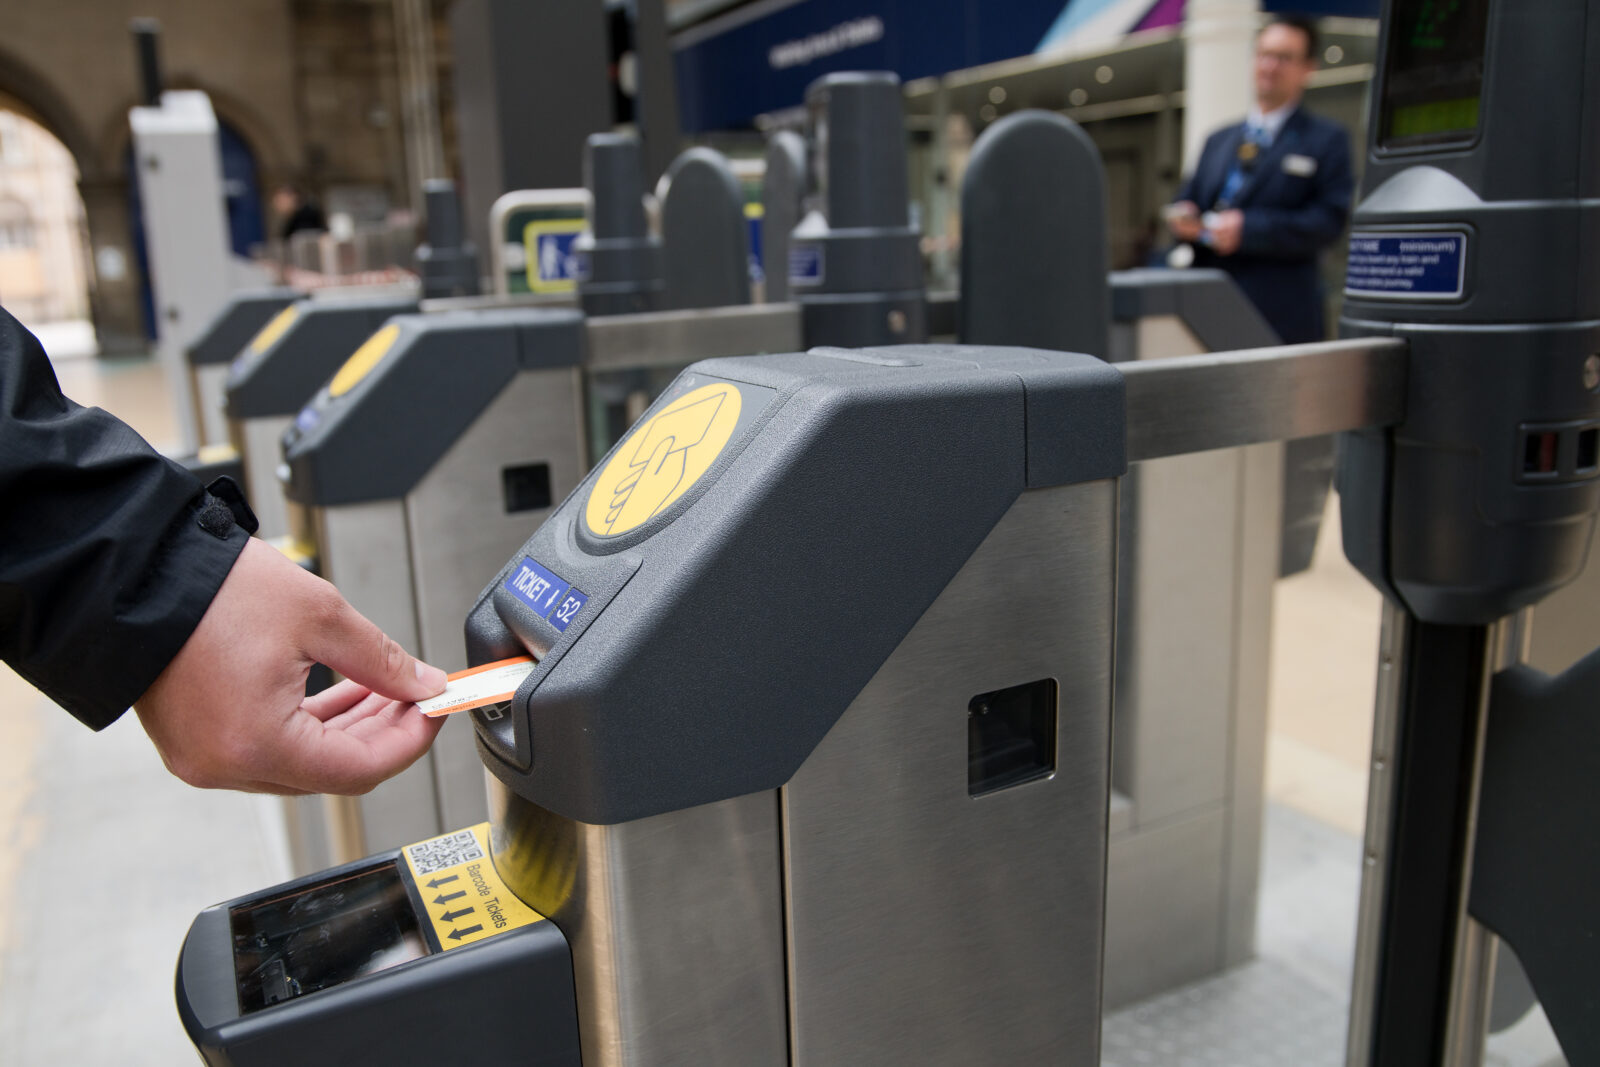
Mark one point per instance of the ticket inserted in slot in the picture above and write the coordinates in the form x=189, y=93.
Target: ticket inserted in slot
x=478, y=687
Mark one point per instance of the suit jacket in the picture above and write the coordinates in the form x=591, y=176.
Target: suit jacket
x=1295, y=202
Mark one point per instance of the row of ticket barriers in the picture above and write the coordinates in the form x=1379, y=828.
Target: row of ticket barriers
x=907, y=702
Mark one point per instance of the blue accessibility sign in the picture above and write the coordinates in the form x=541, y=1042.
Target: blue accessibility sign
x=554, y=259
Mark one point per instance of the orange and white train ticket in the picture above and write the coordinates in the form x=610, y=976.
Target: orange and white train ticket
x=476, y=687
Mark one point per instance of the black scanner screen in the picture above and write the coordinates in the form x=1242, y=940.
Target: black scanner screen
x=322, y=935
x=1433, y=77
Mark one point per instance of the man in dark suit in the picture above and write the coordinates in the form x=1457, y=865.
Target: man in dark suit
x=1270, y=193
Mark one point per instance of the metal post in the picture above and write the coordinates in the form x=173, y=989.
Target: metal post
x=147, y=45
x=1424, y=969
x=1472, y=977
x=419, y=100
x=938, y=220
x=657, y=102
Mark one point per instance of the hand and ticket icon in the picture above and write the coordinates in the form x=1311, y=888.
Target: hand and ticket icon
x=477, y=687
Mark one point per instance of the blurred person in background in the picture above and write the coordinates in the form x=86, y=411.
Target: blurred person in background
x=297, y=211
x=1270, y=193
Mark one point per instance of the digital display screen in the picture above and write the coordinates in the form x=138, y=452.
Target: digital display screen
x=1433, y=72
x=322, y=935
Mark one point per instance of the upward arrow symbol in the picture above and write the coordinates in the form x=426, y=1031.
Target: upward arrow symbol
x=445, y=898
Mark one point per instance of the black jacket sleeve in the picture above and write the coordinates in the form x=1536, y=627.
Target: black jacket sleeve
x=109, y=553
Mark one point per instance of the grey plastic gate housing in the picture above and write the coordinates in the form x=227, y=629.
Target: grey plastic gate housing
x=719, y=641
x=855, y=262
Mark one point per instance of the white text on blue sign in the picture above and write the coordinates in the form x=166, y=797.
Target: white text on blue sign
x=550, y=596
x=1401, y=266
x=805, y=265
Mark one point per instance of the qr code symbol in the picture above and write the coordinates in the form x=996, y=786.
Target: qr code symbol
x=442, y=852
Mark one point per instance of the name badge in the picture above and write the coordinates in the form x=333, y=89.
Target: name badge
x=1299, y=166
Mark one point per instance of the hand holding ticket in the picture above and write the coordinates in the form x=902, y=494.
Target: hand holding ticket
x=478, y=687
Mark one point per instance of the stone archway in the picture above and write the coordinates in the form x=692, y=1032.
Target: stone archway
x=34, y=96
x=113, y=292
x=111, y=146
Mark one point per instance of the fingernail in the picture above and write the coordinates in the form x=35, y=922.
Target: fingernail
x=432, y=677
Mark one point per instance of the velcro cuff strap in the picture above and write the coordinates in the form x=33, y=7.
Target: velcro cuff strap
x=225, y=508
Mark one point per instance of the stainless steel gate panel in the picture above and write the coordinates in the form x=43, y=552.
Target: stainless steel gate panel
x=1164, y=890
x=456, y=519
x=675, y=923
x=259, y=442
x=210, y=389
x=460, y=531
x=897, y=880
x=1199, y=558
x=363, y=550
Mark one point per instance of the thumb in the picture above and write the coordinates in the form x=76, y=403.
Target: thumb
x=349, y=643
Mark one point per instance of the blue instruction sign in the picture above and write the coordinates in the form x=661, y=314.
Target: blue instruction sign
x=1407, y=266
x=536, y=587
x=568, y=609
x=547, y=593
x=805, y=265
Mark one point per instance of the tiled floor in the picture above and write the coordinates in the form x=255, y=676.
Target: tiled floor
x=106, y=858
x=1288, y=1006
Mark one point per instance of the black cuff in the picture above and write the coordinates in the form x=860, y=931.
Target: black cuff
x=196, y=556
x=225, y=508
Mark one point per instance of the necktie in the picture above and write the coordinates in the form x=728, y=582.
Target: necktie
x=1255, y=140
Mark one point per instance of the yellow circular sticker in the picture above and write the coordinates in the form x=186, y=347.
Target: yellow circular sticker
x=662, y=458
x=361, y=362
x=276, y=328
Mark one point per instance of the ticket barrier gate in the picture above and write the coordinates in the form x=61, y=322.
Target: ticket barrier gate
x=728, y=780
x=238, y=320
x=856, y=780
x=298, y=351
x=255, y=369
x=1197, y=547
x=407, y=475
x=283, y=364
x=1186, y=808
x=419, y=467
x=1174, y=755
x=1196, y=897
x=631, y=361
x=236, y=323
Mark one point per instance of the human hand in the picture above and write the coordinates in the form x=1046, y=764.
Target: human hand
x=1226, y=229
x=230, y=710
x=1183, y=219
